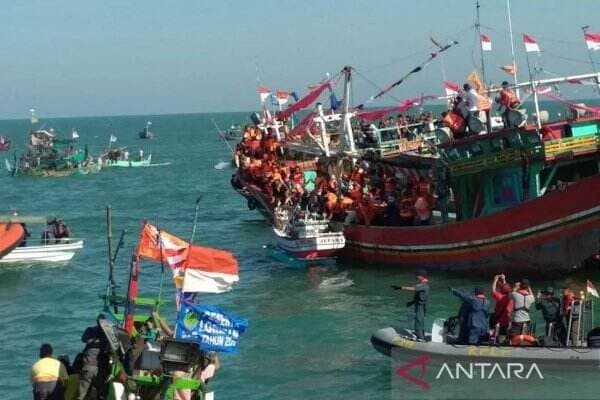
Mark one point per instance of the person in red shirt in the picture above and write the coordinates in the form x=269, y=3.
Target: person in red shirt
x=504, y=306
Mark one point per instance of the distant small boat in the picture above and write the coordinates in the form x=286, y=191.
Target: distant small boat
x=235, y=132
x=4, y=143
x=51, y=252
x=129, y=163
x=146, y=134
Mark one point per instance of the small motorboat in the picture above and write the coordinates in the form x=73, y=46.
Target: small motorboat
x=60, y=251
x=146, y=134
x=4, y=143
x=43, y=250
x=235, y=132
x=440, y=347
x=308, y=237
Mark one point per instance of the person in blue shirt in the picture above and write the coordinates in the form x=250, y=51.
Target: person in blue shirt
x=477, y=307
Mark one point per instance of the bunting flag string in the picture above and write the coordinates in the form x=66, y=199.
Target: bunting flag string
x=418, y=68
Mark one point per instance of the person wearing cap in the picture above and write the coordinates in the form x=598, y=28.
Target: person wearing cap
x=522, y=298
x=472, y=103
x=476, y=306
x=507, y=99
x=550, y=306
x=501, y=292
x=419, y=301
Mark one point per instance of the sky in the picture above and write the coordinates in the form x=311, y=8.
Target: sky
x=89, y=58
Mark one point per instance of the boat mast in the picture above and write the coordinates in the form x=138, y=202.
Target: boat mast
x=534, y=91
x=584, y=29
x=512, y=49
x=346, y=123
x=478, y=26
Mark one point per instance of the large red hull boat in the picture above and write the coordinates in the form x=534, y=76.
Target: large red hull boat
x=551, y=233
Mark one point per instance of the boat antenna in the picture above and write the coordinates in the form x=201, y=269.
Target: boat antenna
x=512, y=50
x=195, y=219
x=584, y=29
x=222, y=136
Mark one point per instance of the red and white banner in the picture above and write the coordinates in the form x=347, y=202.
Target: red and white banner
x=486, y=43
x=531, y=44
x=264, y=93
x=451, y=88
x=203, y=269
x=592, y=40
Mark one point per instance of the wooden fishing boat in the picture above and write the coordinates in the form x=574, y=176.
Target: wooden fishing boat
x=52, y=252
x=521, y=204
x=129, y=163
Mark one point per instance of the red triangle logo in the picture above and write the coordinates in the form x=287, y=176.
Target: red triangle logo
x=421, y=362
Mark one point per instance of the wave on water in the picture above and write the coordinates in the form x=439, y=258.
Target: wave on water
x=222, y=165
x=336, y=282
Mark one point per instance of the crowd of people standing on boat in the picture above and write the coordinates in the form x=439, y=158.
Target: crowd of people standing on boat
x=366, y=192
x=510, y=320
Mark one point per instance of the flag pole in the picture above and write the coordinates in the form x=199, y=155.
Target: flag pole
x=195, y=219
x=534, y=91
x=478, y=26
x=512, y=49
x=584, y=29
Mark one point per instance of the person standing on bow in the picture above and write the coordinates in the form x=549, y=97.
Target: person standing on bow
x=419, y=301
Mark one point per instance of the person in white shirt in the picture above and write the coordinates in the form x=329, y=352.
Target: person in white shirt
x=472, y=100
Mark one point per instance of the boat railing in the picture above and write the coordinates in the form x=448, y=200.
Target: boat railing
x=571, y=146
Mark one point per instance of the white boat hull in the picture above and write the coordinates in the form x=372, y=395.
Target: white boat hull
x=53, y=252
x=322, y=245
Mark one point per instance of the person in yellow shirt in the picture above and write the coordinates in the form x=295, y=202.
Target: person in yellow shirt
x=48, y=376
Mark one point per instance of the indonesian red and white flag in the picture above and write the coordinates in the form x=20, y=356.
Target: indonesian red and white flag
x=592, y=40
x=451, y=88
x=486, y=43
x=195, y=268
x=531, y=44
x=264, y=93
x=209, y=270
x=591, y=289
x=282, y=97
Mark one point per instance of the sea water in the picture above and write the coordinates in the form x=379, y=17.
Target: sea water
x=309, y=328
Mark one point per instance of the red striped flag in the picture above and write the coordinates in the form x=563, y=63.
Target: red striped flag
x=486, y=43
x=531, y=44
x=451, y=88
x=263, y=92
x=592, y=40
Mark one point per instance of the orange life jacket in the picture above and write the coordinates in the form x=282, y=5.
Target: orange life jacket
x=454, y=121
x=523, y=340
x=508, y=99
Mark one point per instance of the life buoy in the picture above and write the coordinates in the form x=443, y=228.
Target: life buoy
x=523, y=340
